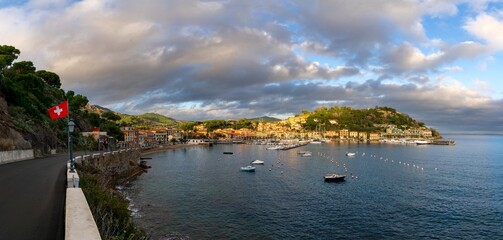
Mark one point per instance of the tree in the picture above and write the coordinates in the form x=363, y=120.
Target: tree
x=7, y=56
x=188, y=126
x=111, y=116
x=76, y=101
x=243, y=123
x=212, y=125
x=50, y=78
x=23, y=67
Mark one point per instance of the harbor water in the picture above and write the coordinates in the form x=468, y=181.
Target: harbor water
x=390, y=192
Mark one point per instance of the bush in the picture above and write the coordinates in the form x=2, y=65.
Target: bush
x=109, y=208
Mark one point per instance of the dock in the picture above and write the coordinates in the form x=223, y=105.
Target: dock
x=292, y=146
x=444, y=142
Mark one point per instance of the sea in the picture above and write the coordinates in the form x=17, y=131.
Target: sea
x=390, y=192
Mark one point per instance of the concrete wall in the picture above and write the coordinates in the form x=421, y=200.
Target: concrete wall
x=80, y=223
x=14, y=156
x=79, y=220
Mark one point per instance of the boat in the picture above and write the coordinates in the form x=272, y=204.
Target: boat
x=350, y=154
x=316, y=141
x=421, y=142
x=302, y=152
x=274, y=148
x=307, y=154
x=333, y=177
x=228, y=153
x=248, y=169
x=257, y=162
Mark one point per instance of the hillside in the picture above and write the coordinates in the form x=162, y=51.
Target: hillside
x=370, y=119
x=25, y=96
x=264, y=119
x=143, y=121
x=148, y=121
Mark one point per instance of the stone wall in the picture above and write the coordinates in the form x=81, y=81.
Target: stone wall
x=16, y=155
x=117, y=167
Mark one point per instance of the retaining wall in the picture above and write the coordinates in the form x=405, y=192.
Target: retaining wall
x=16, y=155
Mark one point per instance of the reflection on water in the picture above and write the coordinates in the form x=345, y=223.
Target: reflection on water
x=391, y=191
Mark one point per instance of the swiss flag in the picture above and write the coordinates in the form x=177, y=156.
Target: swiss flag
x=59, y=111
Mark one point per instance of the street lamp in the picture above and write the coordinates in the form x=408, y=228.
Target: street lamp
x=71, y=127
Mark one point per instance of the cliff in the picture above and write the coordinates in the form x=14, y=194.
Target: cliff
x=10, y=137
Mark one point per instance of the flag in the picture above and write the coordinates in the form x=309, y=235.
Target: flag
x=59, y=111
x=95, y=130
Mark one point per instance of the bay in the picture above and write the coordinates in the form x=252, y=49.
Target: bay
x=390, y=192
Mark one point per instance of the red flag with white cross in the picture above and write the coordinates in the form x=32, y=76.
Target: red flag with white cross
x=59, y=111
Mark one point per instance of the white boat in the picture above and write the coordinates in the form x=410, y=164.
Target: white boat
x=422, y=142
x=307, y=154
x=248, y=169
x=350, y=154
x=258, y=162
x=274, y=148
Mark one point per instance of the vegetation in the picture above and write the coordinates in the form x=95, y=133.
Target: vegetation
x=148, y=121
x=109, y=208
x=264, y=119
x=337, y=118
x=29, y=93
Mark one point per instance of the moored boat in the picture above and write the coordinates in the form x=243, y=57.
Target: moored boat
x=422, y=142
x=333, y=177
x=248, y=169
x=258, y=162
x=307, y=154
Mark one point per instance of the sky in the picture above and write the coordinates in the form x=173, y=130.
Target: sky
x=439, y=61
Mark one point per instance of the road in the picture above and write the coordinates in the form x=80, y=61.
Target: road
x=32, y=198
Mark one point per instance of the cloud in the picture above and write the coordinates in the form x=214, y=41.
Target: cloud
x=194, y=59
x=488, y=27
x=406, y=58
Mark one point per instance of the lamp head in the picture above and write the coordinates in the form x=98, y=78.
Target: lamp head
x=71, y=126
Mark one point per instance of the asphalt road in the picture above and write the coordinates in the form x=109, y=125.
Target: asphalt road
x=32, y=199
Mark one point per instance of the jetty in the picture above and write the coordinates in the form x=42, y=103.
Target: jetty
x=444, y=142
x=292, y=146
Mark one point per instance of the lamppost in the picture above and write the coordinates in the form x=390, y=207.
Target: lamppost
x=71, y=127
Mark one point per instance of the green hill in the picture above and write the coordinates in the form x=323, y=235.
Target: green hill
x=264, y=119
x=148, y=121
x=370, y=119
